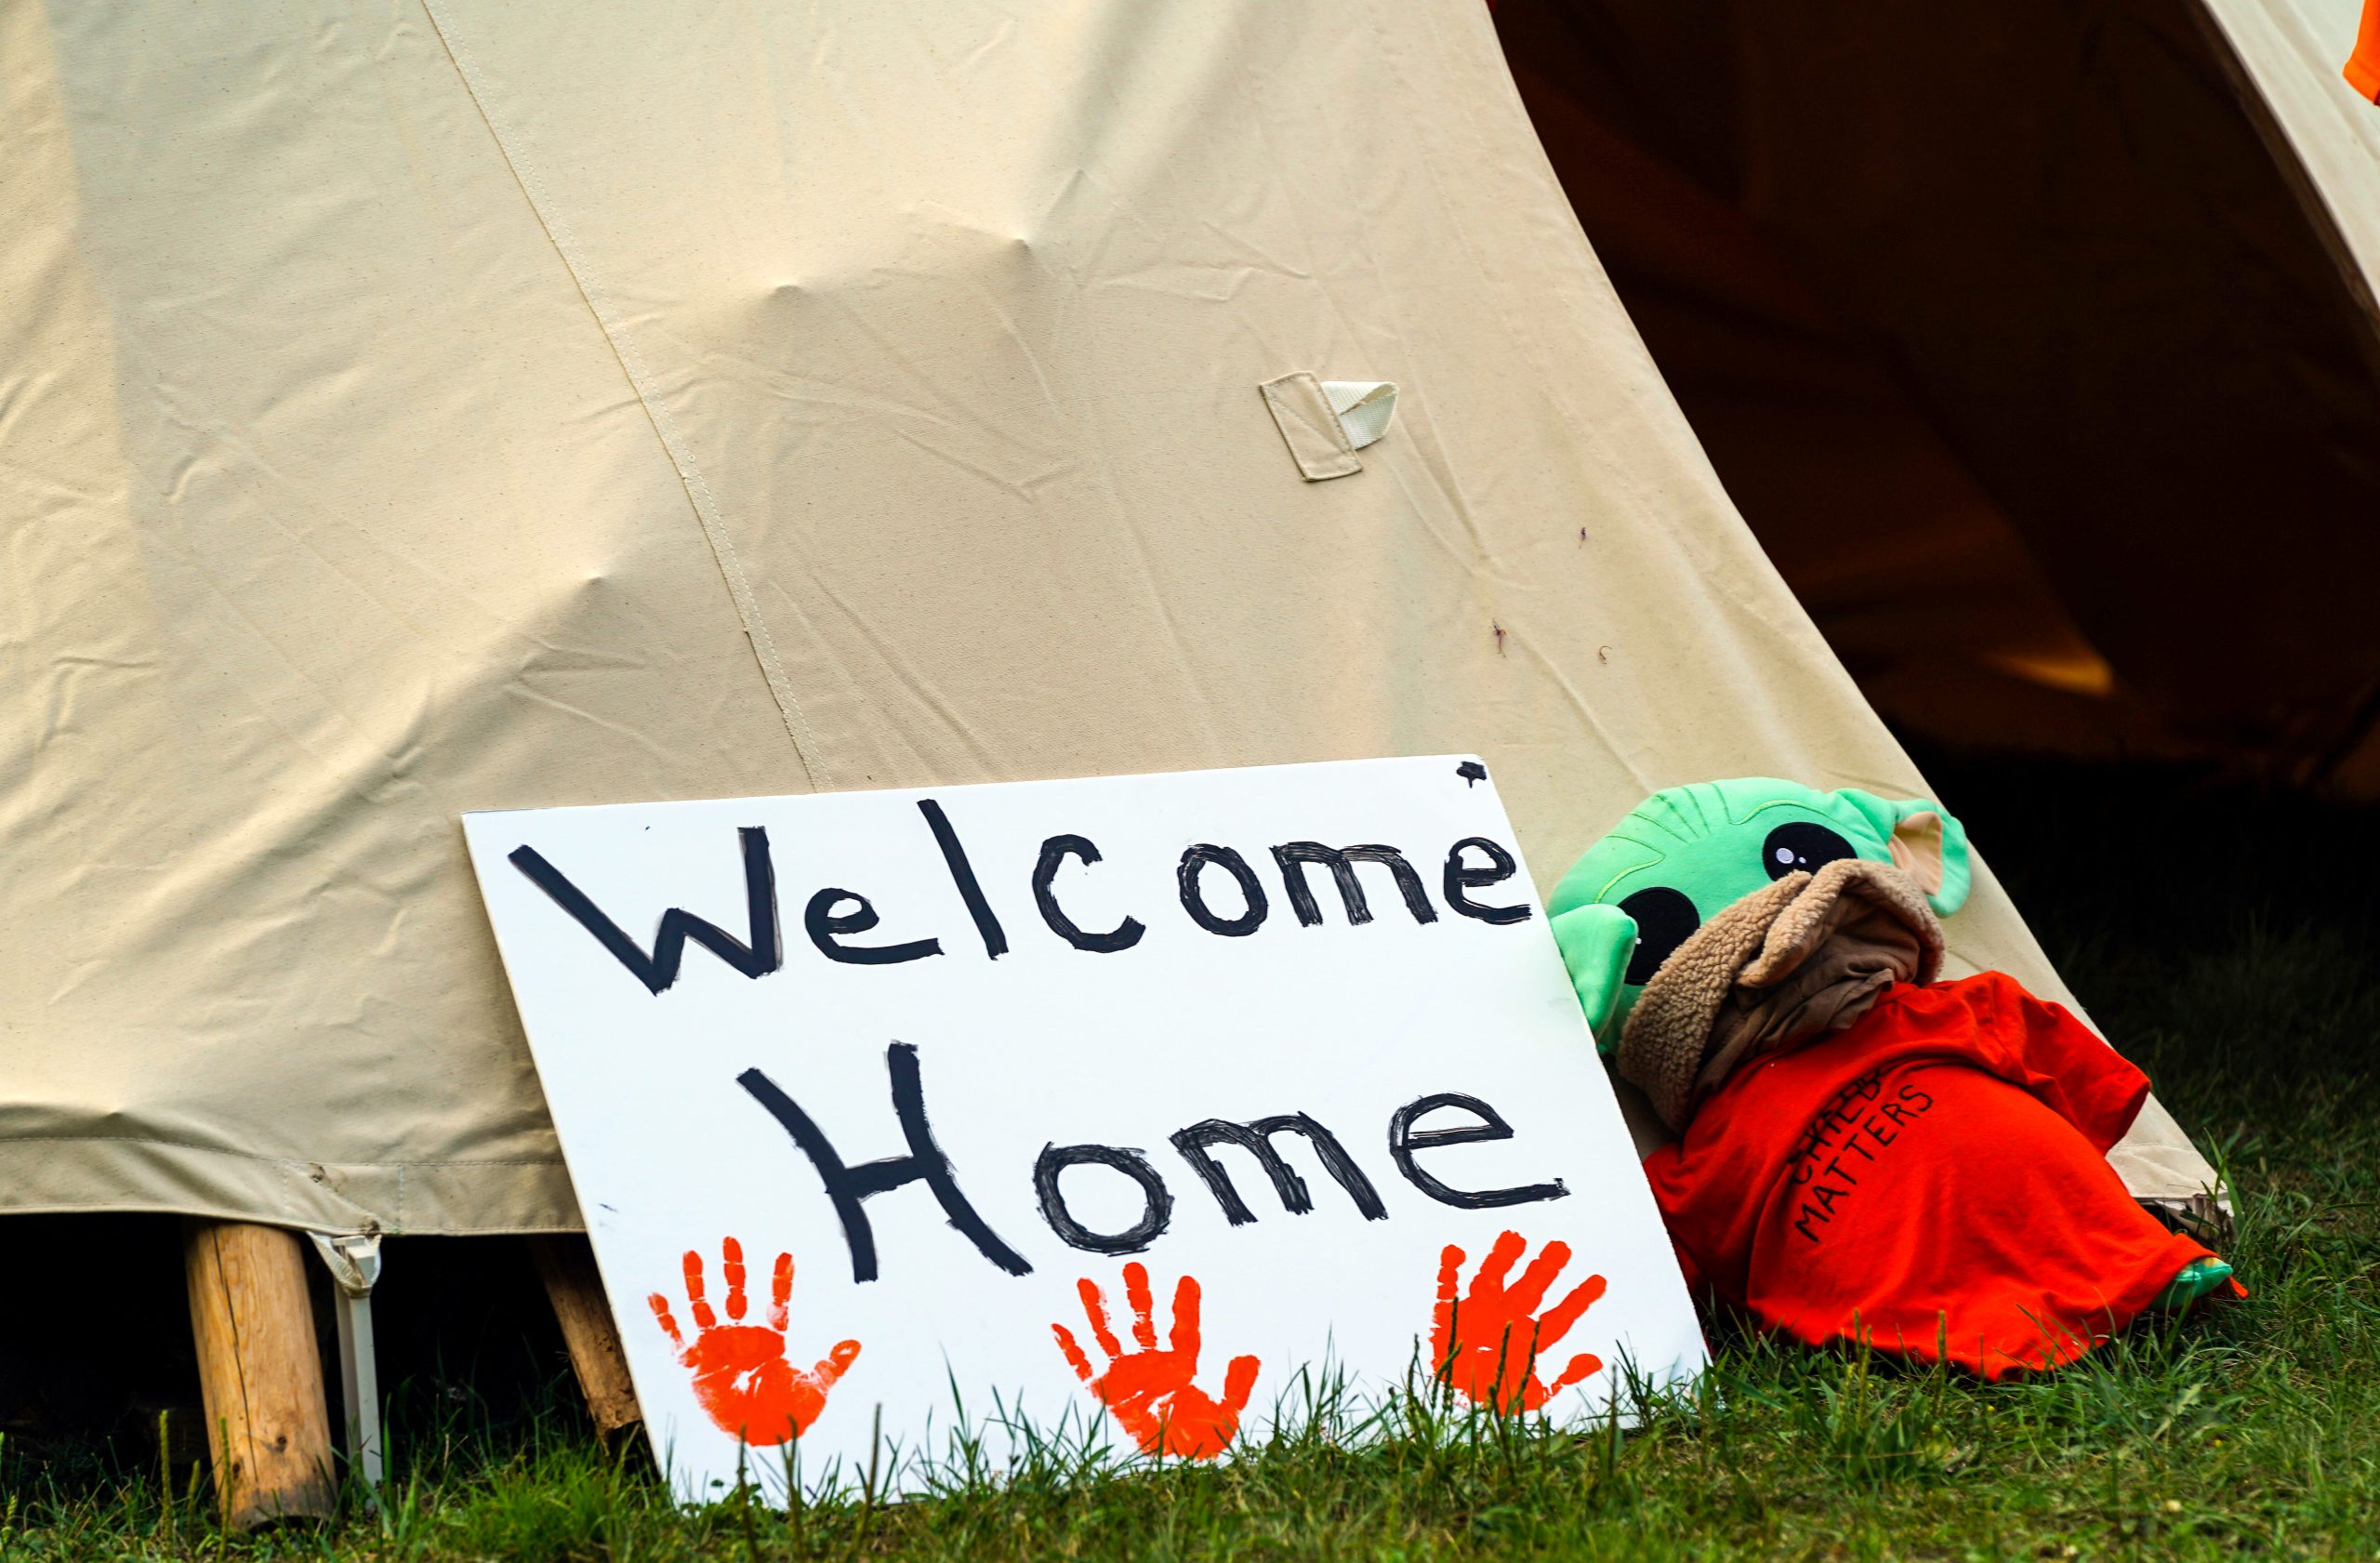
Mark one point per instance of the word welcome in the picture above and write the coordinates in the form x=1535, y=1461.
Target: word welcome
x=850, y=1187
x=834, y=917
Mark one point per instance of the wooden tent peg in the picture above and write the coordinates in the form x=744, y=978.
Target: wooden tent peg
x=267, y=1426
x=566, y=1264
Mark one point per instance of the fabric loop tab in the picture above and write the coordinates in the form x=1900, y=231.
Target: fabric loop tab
x=1366, y=408
x=354, y=1260
x=355, y=1263
x=1324, y=423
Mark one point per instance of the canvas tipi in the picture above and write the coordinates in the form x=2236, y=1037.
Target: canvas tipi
x=420, y=407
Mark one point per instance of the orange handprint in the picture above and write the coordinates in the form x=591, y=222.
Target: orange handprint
x=1488, y=1345
x=1150, y=1391
x=741, y=1376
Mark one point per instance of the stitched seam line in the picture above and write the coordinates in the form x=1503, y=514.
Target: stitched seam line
x=290, y=1162
x=1282, y=403
x=723, y=548
x=1334, y=430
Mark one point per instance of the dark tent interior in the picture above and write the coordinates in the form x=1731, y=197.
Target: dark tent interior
x=2014, y=335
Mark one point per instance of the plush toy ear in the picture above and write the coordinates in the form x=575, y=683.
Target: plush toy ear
x=1926, y=840
x=1596, y=942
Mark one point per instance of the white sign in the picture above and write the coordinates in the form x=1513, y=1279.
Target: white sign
x=1122, y=1109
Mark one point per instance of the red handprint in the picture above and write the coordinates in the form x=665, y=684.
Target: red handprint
x=741, y=1376
x=1486, y=1346
x=1149, y=1390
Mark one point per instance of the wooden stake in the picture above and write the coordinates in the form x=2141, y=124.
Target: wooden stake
x=567, y=1267
x=267, y=1426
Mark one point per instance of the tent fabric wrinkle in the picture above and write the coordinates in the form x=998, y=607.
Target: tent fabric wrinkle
x=722, y=546
x=419, y=408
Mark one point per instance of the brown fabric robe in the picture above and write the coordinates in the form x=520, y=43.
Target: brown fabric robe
x=1805, y=955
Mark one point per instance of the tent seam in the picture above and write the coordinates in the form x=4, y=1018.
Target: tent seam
x=286, y=1162
x=799, y=731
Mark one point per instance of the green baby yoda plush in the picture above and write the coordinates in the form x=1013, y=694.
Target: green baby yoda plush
x=1687, y=854
x=1863, y=1152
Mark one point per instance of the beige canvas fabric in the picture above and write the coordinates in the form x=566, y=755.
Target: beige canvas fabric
x=411, y=411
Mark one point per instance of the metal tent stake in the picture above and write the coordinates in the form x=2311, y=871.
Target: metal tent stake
x=355, y=1262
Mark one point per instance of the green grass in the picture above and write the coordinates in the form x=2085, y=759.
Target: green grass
x=2227, y=938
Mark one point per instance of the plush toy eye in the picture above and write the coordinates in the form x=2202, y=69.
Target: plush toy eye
x=1664, y=920
x=1801, y=847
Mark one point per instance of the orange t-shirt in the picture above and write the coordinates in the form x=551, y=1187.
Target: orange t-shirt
x=1933, y=1179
